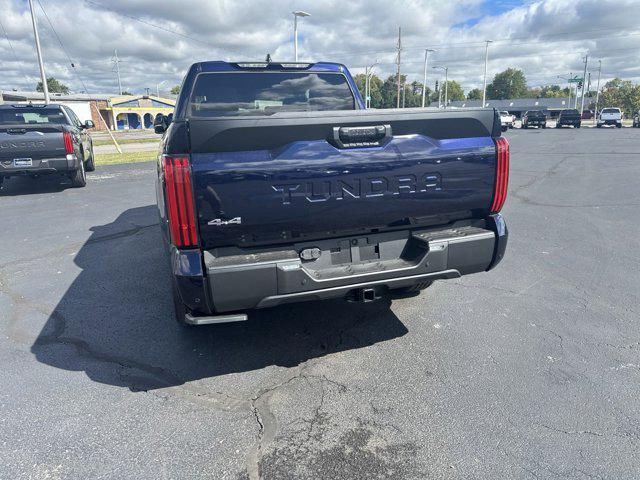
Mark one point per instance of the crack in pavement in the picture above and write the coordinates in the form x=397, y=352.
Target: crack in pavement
x=571, y=432
x=264, y=417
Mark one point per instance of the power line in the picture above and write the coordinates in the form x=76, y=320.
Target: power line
x=13, y=52
x=137, y=19
x=73, y=65
x=474, y=44
x=443, y=46
x=6, y=35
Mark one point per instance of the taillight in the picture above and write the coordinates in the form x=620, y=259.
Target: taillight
x=502, y=174
x=68, y=143
x=182, y=222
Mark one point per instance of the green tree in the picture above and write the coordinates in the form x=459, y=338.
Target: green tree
x=454, y=91
x=389, y=91
x=474, y=94
x=510, y=83
x=175, y=90
x=384, y=93
x=554, y=91
x=375, y=85
x=54, y=86
x=620, y=93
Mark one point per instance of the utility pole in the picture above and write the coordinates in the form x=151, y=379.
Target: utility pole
x=424, y=76
x=43, y=76
x=584, y=80
x=398, y=59
x=117, y=61
x=595, y=113
x=484, y=83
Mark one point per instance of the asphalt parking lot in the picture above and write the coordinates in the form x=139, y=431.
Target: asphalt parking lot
x=529, y=371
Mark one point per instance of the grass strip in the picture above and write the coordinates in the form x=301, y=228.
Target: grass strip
x=127, y=157
x=122, y=141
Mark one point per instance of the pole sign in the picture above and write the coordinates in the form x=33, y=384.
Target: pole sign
x=576, y=80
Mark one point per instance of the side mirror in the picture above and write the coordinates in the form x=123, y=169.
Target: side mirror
x=89, y=124
x=160, y=124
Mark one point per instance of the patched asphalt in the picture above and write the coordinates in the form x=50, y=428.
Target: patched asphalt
x=529, y=371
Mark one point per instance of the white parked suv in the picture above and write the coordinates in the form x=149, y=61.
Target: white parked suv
x=506, y=120
x=610, y=116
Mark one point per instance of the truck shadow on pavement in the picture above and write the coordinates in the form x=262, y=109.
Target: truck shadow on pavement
x=115, y=320
x=23, y=185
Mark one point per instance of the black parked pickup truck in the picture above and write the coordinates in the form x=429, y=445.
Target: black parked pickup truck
x=276, y=186
x=44, y=139
x=569, y=117
x=534, y=118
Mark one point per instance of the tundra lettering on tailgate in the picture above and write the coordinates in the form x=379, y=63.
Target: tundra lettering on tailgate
x=323, y=190
x=28, y=144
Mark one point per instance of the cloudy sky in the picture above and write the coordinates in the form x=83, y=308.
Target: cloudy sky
x=157, y=40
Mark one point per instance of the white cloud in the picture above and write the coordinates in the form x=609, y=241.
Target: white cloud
x=548, y=38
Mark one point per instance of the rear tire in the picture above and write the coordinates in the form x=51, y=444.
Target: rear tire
x=1, y=181
x=89, y=166
x=618, y=125
x=544, y=126
x=78, y=177
x=578, y=126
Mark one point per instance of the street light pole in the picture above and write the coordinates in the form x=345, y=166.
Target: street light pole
x=296, y=14
x=398, y=61
x=484, y=83
x=424, y=77
x=158, y=87
x=446, y=84
x=367, y=84
x=43, y=76
x=595, y=113
x=584, y=80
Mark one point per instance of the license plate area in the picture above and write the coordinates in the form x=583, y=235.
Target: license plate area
x=22, y=162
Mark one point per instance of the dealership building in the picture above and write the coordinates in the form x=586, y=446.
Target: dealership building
x=125, y=112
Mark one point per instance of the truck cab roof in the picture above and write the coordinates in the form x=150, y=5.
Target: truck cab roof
x=222, y=66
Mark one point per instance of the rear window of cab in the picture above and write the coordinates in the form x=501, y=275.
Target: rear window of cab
x=265, y=93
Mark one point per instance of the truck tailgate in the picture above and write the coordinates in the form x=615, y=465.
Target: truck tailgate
x=32, y=141
x=293, y=177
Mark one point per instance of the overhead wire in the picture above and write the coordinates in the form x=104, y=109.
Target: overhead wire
x=71, y=62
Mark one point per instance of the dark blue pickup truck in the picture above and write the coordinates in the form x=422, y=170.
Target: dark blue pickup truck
x=275, y=185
